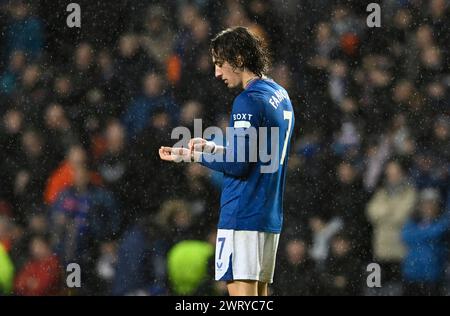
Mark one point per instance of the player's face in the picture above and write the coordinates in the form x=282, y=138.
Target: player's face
x=230, y=76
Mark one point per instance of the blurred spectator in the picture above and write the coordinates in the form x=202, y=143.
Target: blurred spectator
x=24, y=31
x=190, y=111
x=158, y=37
x=58, y=130
x=425, y=236
x=5, y=208
x=83, y=67
x=237, y=15
x=154, y=96
x=338, y=80
x=37, y=225
x=202, y=199
x=42, y=273
x=83, y=218
x=31, y=93
x=5, y=232
x=441, y=139
x=296, y=273
x=12, y=126
x=348, y=138
x=109, y=85
x=141, y=267
x=63, y=176
x=10, y=77
x=378, y=151
x=29, y=171
x=176, y=220
x=348, y=203
x=261, y=12
x=388, y=210
x=343, y=272
x=10, y=140
x=113, y=165
x=429, y=171
x=325, y=43
x=63, y=92
x=377, y=109
x=307, y=165
x=131, y=65
x=83, y=73
x=322, y=233
x=142, y=157
x=438, y=13
x=106, y=268
x=400, y=136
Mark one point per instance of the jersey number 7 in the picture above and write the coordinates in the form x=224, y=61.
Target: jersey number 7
x=287, y=116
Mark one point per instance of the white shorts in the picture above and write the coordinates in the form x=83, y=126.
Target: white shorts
x=245, y=255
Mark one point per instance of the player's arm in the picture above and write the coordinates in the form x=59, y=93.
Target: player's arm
x=175, y=154
x=235, y=168
x=205, y=146
x=246, y=113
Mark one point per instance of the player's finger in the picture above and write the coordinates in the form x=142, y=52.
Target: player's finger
x=197, y=144
x=178, y=150
x=166, y=153
x=166, y=149
x=196, y=140
x=193, y=142
x=162, y=154
x=198, y=147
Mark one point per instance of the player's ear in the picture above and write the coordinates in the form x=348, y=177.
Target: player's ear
x=240, y=61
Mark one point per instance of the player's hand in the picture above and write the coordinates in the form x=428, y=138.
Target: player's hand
x=196, y=144
x=175, y=154
x=201, y=145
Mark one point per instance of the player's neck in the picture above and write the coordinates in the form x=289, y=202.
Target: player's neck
x=247, y=78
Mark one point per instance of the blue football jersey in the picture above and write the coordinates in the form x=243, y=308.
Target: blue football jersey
x=252, y=189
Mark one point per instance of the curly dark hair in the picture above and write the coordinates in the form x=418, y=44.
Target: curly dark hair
x=241, y=49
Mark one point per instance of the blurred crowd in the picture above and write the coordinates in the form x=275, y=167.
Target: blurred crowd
x=83, y=112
